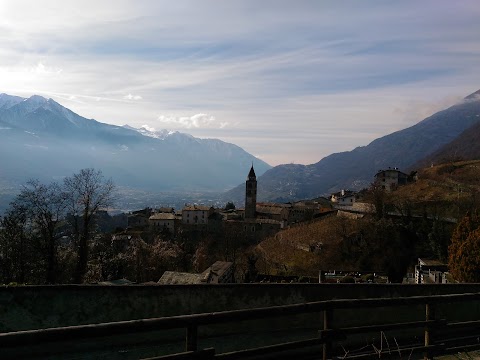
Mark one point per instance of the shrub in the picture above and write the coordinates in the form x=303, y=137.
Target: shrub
x=368, y=277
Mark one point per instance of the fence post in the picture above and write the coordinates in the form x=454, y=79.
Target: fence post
x=327, y=324
x=191, y=338
x=429, y=315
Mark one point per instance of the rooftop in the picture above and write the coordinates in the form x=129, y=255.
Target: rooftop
x=214, y=272
x=430, y=262
x=251, y=174
x=394, y=169
x=269, y=209
x=196, y=208
x=162, y=216
x=180, y=278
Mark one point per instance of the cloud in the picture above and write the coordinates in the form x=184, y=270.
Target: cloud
x=148, y=128
x=40, y=68
x=191, y=122
x=132, y=97
x=278, y=75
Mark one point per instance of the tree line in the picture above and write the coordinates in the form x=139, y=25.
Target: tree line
x=49, y=235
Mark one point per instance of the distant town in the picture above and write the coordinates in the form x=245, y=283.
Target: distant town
x=259, y=220
x=380, y=234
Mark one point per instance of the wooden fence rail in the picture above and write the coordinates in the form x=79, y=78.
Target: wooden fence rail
x=327, y=334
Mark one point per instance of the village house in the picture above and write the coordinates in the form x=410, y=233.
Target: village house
x=431, y=272
x=163, y=222
x=253, y=230
x=237, y=214
x=139, y=218
x=196, y=214
x=390, y=179
x=343, y=197
x=278, y=212
x=170, y=210
x=307, y=210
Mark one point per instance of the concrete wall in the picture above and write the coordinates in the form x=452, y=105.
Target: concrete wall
x=35, y=307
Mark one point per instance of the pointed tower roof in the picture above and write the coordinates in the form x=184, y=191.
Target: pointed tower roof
x=251, y=174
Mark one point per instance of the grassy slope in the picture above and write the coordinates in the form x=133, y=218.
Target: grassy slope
x=287, y=254
x=454, y=187
x=446, y=190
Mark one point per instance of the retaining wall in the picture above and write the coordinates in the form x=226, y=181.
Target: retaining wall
x=36, y=307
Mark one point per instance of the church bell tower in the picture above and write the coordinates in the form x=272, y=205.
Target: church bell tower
x=251, y=195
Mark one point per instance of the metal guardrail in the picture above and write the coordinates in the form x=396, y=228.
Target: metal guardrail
x=328, y=335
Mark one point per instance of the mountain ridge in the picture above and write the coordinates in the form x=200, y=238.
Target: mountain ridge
x=464, y=147
x=36, y=132
x=355, y=169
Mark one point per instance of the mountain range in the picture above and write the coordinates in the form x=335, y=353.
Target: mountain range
x=465, y=146
x=444, y=131
x=42, y=139
x=39, y=138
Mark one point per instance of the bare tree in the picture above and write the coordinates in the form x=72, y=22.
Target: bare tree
x=44, y=206
x=88, y=192
x=379, y=198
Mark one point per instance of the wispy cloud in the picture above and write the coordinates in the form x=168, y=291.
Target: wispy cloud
x=290, y=81
x=194, y=121
x=132, y=97
x=40, y=68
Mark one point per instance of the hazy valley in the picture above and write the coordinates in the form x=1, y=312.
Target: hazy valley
x=42, y=139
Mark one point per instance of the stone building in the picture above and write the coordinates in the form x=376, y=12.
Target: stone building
x=307, y=210
x=163, y=221
x=251, y=195
x=259, y=220
x=429, y=271
x=252, y=230
x=390, y=179
x=139, y=218
x=196, y=214
x=279, y=212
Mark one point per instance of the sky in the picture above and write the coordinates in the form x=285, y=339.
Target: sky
x=288, y=81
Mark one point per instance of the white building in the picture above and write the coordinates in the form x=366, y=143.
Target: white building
x=343, y=197
x=430, y=272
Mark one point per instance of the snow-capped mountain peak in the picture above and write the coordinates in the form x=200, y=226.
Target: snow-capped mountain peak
x=7, y=101
x=148, y=131
x=45, y=138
